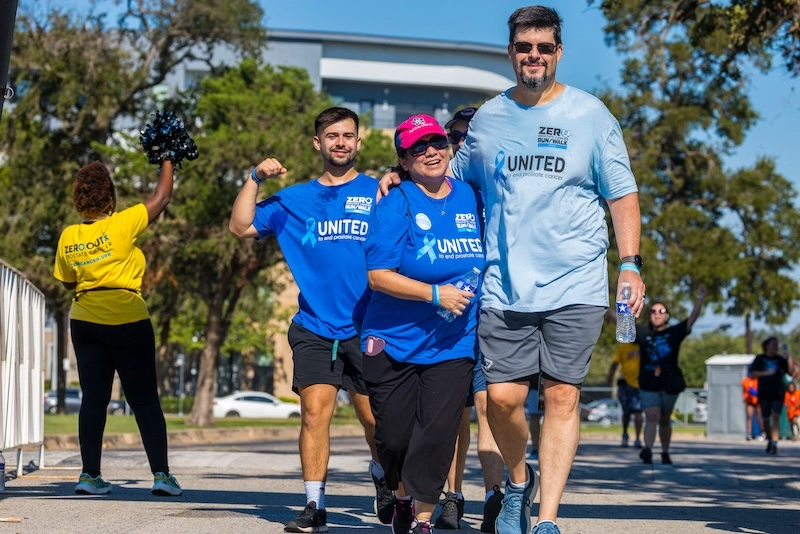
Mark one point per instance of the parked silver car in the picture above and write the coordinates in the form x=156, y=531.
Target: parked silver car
x=604, y=411
x=73, y=398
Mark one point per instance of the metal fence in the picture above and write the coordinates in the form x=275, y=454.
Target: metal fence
x=22, y=318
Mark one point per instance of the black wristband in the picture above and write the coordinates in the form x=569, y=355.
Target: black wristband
x=636, y=260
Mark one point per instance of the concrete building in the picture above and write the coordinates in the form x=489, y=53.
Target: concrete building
x=390, y=77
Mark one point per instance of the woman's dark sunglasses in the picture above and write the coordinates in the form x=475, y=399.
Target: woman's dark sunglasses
x=418, y=149
x=521, y=47
x=456, y=137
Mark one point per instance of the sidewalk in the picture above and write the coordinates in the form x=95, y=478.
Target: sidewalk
x=714, y=486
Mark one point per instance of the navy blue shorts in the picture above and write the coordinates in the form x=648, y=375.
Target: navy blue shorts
x=478, y=382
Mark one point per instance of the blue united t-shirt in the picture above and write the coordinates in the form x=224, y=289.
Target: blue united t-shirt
x=432, y=241
x=321, y=230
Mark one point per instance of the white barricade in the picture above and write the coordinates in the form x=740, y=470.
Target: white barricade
x=22, y=317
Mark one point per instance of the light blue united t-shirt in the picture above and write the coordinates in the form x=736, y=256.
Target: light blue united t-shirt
x=544, y=173
x=321, y=230
x=432, y=241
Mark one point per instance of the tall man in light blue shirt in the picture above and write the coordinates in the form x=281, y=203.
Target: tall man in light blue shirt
x=546, y=157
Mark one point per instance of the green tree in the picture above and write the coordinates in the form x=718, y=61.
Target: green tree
x=767, y=223
x=733, y=32
x=377, y=153
x=683, y=107
x=695, y=350
x=77, y=81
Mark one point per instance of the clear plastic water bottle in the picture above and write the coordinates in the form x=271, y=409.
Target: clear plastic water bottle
x=626, y=327
x=2, y=472
x=468, y=282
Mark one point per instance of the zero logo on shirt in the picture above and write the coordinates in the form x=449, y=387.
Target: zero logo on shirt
x=466, y=222
x=361, y=205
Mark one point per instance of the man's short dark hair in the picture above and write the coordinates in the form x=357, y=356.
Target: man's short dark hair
x=537, y=17
x=332, y=116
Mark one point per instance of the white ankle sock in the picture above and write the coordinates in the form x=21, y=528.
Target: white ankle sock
x=315, y=491
x=518, y=486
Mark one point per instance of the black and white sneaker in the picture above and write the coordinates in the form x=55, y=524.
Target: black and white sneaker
x=491, y=509
x=384, y=498
x=403, y=516
x=448, y=518
x=309, y=520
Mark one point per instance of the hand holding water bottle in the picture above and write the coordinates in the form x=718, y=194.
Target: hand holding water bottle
x=626, y=326
x=454, y=298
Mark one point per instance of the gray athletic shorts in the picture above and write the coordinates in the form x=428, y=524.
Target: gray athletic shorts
x=557, y=343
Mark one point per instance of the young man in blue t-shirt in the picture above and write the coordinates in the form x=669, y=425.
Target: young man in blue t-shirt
x=321, y=227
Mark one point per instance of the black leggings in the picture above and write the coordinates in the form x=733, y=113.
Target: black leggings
x=417, y=411
x=130, y=350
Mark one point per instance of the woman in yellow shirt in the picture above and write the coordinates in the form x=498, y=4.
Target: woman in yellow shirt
x=109, y=321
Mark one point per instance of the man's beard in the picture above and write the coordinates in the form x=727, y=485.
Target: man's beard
x=337, y=161
x=532, y=82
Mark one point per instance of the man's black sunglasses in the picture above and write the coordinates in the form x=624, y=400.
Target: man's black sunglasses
x=417, y=149
x=455, y=137
x=521, y=47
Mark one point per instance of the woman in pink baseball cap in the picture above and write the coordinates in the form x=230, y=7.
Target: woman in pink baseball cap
x=424, y=257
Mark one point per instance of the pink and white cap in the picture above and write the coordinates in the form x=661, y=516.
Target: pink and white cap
x=414, y=128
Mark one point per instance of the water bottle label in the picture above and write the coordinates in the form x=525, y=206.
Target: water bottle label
x=465, y=286
x=622, y=307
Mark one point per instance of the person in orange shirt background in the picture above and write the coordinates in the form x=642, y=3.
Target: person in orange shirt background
x=750, y=397
x=791, y=400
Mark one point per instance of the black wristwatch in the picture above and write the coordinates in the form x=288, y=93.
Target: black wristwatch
x=636, y=260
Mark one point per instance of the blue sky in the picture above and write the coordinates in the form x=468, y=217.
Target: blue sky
x=588, y=63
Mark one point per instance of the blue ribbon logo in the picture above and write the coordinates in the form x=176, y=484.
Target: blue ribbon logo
x=310, y=224
x=499, y=163
x=430, y=241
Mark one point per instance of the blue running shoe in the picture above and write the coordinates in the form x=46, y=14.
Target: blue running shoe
x=515, y=516
x=88, y=485
x=546, y=527
x=165, y=485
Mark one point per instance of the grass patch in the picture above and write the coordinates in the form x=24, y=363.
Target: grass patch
x=68, y=424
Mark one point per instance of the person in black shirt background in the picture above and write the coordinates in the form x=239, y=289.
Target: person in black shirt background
x=659, y=345
x=770, y=368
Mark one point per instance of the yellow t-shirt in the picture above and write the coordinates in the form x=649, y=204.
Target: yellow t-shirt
x=627, y=356
x=103, y=254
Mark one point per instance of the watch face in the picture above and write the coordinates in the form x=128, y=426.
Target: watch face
x=638, y=260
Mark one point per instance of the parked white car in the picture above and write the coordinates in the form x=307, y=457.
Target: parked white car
x=254, y=404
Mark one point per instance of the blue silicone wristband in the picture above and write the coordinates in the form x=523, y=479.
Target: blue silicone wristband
x=629, y=267
x=254, y=177
x=435, y=294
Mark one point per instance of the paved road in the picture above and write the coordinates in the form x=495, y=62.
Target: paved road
x=714, y=486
